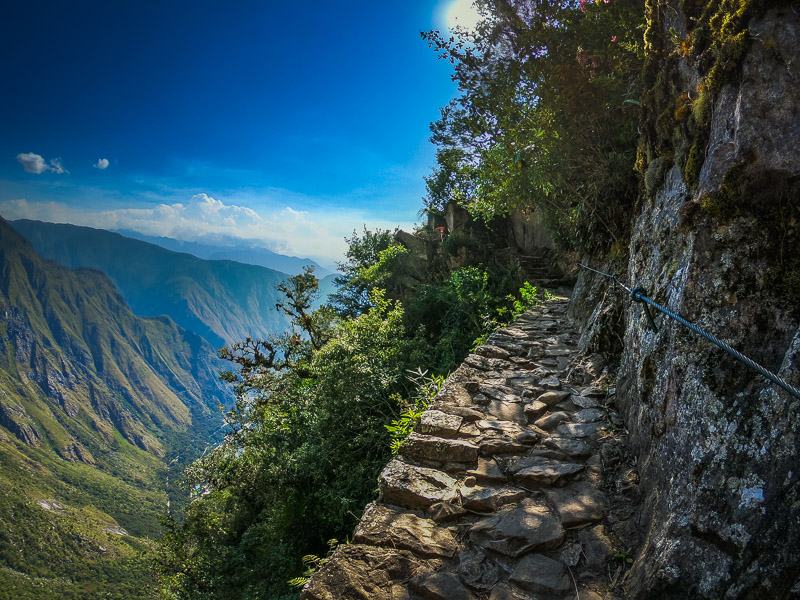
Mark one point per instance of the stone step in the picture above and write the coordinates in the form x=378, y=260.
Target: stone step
x=497, y=493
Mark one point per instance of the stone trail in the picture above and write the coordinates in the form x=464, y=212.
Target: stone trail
x=501, y=492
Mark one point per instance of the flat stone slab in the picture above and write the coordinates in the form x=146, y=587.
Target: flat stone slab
x=539, y=471
x=502, y=445
x=392, y=528
x=553, y=397
x=444, y=512
x=410, y=486
x=553, y=383
x=504, y=591
x=359, y=572
x=487, y=471
x=507, y=411
x=477, y=570
x=535, y=409
x=515, y=531
x=476, y=361
x=597, y=546
x=579, y=430
x=467, y=414
x=503, y=393
x=541, y=575
x=440, y=586
x=589, y=415
x=578, y=504
x=427, y=447
x=552, y=420
x=436, y=422
x=492, y=351
x=501, y=427
x=489, y=498
x=571, y=447
x=584, y=401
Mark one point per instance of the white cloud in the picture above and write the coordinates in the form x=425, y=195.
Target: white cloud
x=102, y=163
x=317, y=234
x=35, y=163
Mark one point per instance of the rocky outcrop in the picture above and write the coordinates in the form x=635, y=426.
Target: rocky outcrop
x=716, y=444
x=503, y=490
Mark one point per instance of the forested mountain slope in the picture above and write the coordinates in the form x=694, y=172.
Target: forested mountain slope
x=222, y=300
x=93, y=403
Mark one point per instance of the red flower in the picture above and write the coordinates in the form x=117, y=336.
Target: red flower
x=614, y=39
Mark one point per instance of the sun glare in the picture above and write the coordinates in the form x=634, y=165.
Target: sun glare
x=461, y=12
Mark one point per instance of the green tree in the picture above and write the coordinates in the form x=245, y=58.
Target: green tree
x=545, y=118
x=355, y=284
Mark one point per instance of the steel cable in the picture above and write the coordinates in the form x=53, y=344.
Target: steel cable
x=638, y=295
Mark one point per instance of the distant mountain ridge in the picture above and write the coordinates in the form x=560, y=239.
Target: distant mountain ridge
x=222, y=300
x=262, y=257
x=93, y=399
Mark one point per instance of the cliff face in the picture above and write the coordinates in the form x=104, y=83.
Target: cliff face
x=717, y=241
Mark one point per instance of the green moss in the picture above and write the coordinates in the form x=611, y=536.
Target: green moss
x=654, y=174
x=717, y=40
x=694, y=162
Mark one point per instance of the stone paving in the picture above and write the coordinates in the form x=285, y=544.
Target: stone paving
x=502, y=492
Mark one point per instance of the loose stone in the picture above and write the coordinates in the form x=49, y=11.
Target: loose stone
x=545, y=473
x=553, y=397
x=550, y=382
x=578, y=505
x=484, y=499
x=584, y=401
x=391, y=528
x=492, y=351
x=504, y=591
x=440, y=586
x=428, y=447
x=436, y=422
x=468, y=414
x=569, y=446
x=487, y=471
x=415, y=487
x=579, y=430
x=552, y=420
x=515, y=531
x=539, y=574
x=589, y=415
x=443, y=512
x=501, y=445
x=535, y=409
x=476, y=570
x=481, y=400
x=359, y=572
x=507, y=411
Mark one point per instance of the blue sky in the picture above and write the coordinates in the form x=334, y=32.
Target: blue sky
x=287, y=123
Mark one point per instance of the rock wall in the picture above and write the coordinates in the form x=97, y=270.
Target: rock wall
x=716, y=445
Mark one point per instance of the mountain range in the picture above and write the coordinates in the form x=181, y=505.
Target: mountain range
x=250, y=255
x=94, y=404
x=222, y=300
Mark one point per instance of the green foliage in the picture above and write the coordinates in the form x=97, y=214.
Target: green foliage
x=546, y=118
x=306, y=443
x=715, y=42
x=426, y=389
x=355, y=284
x=313, y=563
